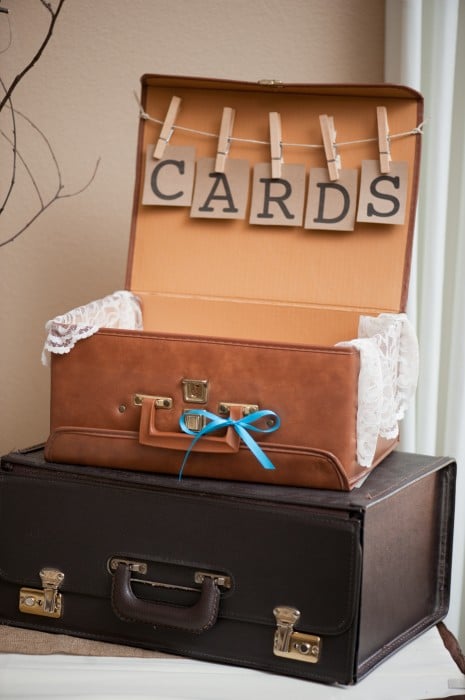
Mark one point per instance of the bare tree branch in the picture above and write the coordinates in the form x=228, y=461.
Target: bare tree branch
x=26, y=167
x=89, y=182
x=58, y=194
x=47, y=143
x=13, y=143
x=46, y=205
x=44, y=201
x=10, y=33
x=47, y=6
x=26, y=69
x=31, y=220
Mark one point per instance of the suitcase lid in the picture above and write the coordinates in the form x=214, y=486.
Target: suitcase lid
x=229, y=277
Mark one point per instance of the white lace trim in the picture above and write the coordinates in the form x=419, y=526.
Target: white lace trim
x=118, y=310
x=387, y=345
x=387, y=381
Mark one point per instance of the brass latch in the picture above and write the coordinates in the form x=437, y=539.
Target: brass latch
x=224, y=408
x=47, y=601
x=194, y=422
x=290, y=644
x=195, y=390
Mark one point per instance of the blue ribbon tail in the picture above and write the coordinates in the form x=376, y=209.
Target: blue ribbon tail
x=254, y=447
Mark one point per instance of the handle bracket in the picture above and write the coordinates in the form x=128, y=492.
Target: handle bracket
x=159, y=401
x=224, y=409
x=139, y=567
x=220, y=579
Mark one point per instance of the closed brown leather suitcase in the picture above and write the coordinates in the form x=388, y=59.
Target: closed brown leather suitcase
x=273, y=340
x=319, y=585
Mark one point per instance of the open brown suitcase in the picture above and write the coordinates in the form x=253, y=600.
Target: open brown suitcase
x=320, y=585
x=287, y=345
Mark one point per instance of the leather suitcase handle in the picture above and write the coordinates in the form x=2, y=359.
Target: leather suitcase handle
x=150, y=435
x=195, y=618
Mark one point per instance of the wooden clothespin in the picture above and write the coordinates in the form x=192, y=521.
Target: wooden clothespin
x=167, y=128
x=224, y=139
x=384, y=144
x=328, y=133
x=276, y=145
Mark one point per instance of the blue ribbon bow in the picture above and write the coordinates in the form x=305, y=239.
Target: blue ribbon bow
x=242, y=426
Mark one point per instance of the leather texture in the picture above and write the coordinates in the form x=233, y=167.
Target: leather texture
x=368, y=570
x=197, y=618
x=294, y=292
x=94, y=420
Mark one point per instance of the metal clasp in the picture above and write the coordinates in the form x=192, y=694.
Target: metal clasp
x=290, y=644
x=160, y=401
x=224, y=408
x=267, y=82
x=220, y=579
x=194, y=422
x=138, y=566
x=47, y=602
x=195, y=390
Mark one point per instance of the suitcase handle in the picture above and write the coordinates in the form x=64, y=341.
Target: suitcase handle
x=150, y=435
x=195, y=618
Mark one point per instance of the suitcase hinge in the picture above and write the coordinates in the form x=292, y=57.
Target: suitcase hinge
x=47, y=601
x=290, y=644
x=270, y=82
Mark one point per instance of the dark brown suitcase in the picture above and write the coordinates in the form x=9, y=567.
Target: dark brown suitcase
x=320, y=585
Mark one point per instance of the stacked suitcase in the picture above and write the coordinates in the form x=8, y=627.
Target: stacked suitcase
x=219, y=481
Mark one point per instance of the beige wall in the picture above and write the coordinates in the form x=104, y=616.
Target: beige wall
x=80, y=95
